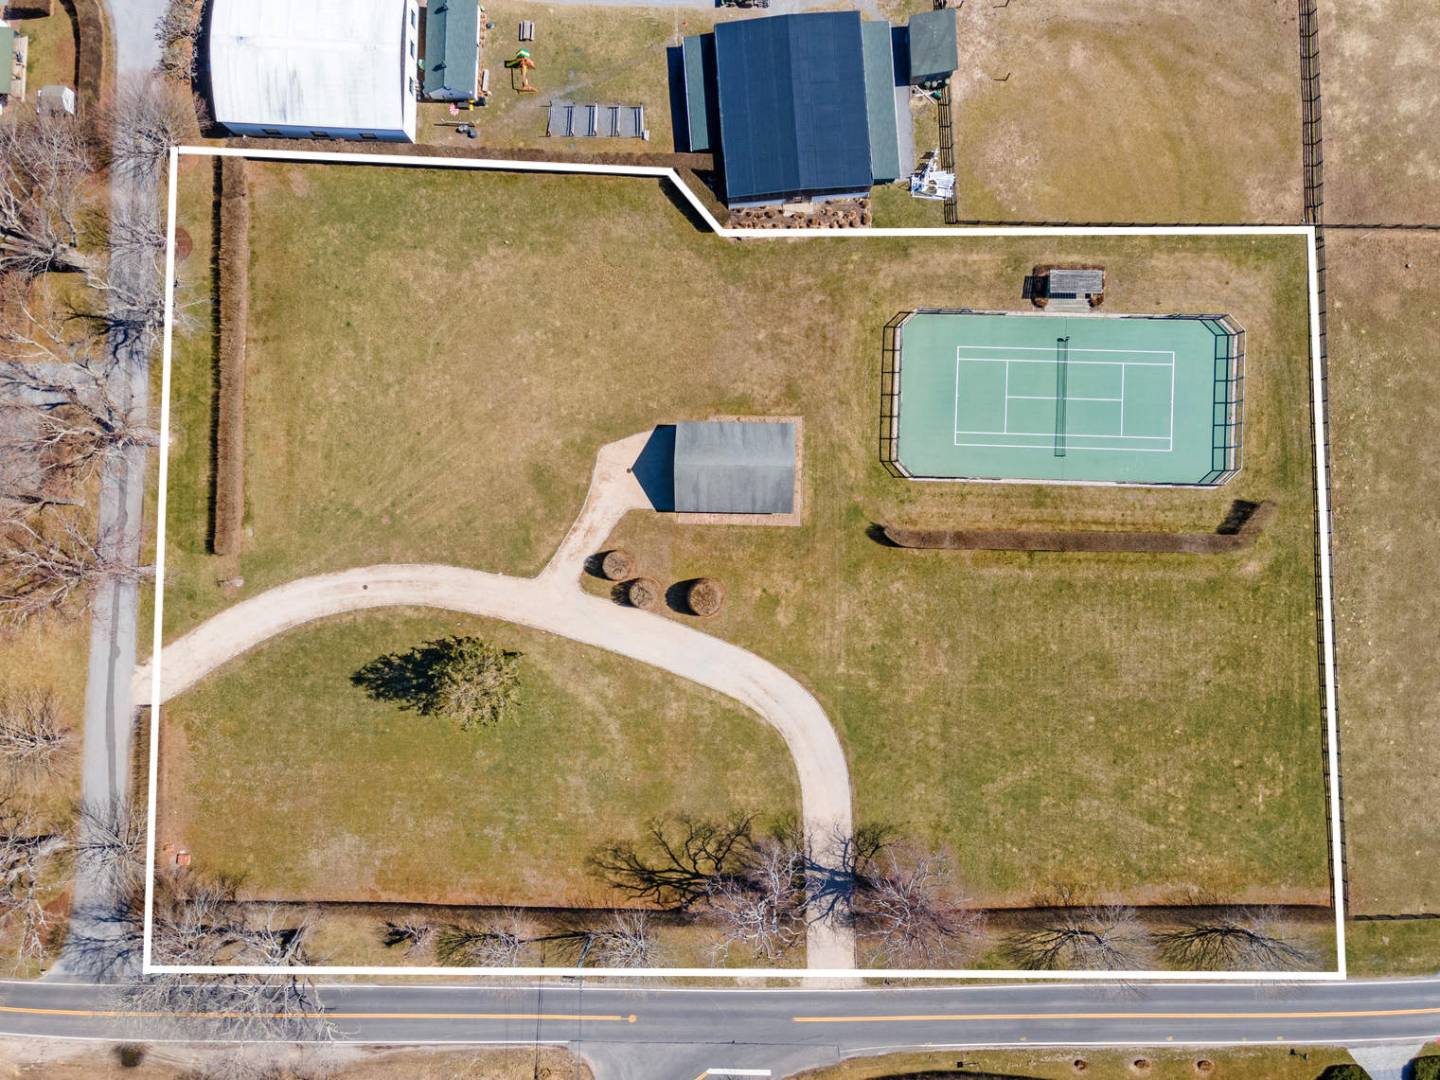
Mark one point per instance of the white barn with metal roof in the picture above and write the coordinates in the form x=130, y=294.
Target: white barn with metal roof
x=340, y=69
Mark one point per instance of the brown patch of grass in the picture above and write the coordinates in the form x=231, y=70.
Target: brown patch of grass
x=1169, y=112
x=1382, y=149
x=1385, y=408
x=1270, y=1063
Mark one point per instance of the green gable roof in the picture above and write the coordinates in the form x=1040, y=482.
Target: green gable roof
x=934, y=45
x=452, y=61
x=699, y=73
x=7, y=57
x=880, y=101
x=734, y=467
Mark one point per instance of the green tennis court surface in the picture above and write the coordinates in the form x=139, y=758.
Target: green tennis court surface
x=1131, y=399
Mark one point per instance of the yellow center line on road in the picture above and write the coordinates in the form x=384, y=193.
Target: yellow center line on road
x=920, y=1018
x=113, y=1013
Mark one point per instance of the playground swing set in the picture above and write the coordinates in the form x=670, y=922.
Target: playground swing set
x=521, y=62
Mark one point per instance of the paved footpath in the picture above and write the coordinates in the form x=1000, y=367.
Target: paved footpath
x=554, y=602
x=109, y=712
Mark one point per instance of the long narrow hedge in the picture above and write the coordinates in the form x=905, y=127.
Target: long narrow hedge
x=93, y=54
x=1231, y=536
x=233, y=283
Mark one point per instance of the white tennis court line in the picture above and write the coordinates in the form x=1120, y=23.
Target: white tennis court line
x=958, y=431
x=1048, y=446
x=149, y=967
x=1068, y=397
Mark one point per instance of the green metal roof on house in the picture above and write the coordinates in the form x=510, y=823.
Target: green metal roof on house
x=699, y=74
x=452, y=61
x=934, y=45
x=7, y=57
x=880, y=102
x=734, y=467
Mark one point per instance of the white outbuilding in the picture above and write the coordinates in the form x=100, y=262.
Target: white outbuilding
x=337, y=69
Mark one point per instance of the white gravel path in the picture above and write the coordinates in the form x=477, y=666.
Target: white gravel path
x=554, y=602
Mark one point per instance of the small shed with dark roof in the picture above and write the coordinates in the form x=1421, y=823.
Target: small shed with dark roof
x=452, y=50
x=933, y=46
x=734, y=467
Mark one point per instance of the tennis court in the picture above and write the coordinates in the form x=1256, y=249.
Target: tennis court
x=1080, y=398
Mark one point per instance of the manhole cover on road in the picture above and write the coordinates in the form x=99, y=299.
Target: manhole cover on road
x=183, y=244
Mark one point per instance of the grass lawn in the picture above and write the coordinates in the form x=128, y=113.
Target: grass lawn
x=87, y=1061
x=1385, y=402
x=1233, y=1063
x=279, y=772
x=603, y=55
x=1148, y=727
x=1139, y=140
x=1393, y=948
x=47, y=657
x=192, y=393
x=52, y=50
x=1382, y=153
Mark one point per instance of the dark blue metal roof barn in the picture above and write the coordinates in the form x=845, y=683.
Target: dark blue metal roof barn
x=792, y=107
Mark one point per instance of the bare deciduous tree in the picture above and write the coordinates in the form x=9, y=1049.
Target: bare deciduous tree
x=148, y=115
x=685, y=859
x=110, y=844
x=498, y=942
x=414, y=935
x=905, y=908
x=43, y=568
x=626, y=940
x=1086, y=939
x=199, y=922
x=24, y=854
x=43, y=163
x=1234, y=939
x=32, y=738
x=761, y=907
x=177, y=33
x=65, y=413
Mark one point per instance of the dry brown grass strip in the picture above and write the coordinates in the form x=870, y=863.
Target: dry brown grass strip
x=233, y=283
x=688, y=166
x=1239, y=530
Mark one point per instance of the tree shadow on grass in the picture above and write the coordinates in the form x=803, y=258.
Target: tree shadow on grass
x=406, y=679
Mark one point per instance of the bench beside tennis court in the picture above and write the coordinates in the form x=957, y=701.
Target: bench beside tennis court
x=1100, y=399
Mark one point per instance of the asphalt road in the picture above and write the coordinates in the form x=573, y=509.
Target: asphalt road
x=677, y=1034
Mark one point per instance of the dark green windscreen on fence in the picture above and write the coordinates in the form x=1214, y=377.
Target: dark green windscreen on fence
x=1139, y=400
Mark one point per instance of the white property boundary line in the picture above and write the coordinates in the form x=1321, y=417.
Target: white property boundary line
x=654, y=172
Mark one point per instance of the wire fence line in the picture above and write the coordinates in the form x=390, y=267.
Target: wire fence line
x=1313, y=168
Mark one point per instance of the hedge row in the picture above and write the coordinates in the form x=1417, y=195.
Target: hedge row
x=1234, y=536
x=92, y=53
x=233, y=285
